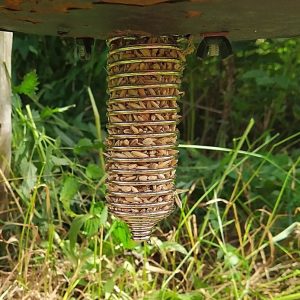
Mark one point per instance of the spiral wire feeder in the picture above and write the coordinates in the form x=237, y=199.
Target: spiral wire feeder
x=144, y=77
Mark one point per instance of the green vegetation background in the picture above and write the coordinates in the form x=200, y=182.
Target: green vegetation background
x=236, y=235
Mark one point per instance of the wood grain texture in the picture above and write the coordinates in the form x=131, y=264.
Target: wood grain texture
x=5, y=112
x=242, y=19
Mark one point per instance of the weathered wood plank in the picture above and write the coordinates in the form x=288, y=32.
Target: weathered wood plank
x=242, y=19
x=5, y=113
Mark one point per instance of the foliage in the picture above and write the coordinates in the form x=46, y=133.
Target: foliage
x=236, y=234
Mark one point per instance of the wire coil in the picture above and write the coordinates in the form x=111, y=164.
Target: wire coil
x=144, y=77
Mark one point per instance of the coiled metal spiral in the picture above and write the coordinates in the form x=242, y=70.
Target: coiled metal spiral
x=144, y=77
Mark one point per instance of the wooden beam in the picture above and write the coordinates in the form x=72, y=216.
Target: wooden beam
x=242, y=19
x=5, y=114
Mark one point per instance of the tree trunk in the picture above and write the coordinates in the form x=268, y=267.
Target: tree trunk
x=5, y=115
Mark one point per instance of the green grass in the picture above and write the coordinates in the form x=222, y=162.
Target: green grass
x=235, y=233
x=231, y=242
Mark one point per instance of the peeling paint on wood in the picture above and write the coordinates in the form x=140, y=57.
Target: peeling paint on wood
x=13, y=4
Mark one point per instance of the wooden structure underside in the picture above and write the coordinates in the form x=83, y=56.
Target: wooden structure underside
x=243, y=20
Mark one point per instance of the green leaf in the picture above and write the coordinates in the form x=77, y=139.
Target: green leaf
x=59, y=161
x=68, y=192
x=121, y=233
x=173, y=246
x=231, y=259
x=109, y=286
x=282, y=81
x=253, y=74
x=28, y=172
x=66, y=138
x=33, y=50
x=92, y=225
x=170, y=295
x=16, y=101
x=99, y=144
x=230, y=255
x=261, y=77
x=191, y=296
x=83, y=146
x=93, y=171
x=29, y=85
x=104, y=215
x=20, y=154
x=198, y=283
x=75, y=229
x=48, y=111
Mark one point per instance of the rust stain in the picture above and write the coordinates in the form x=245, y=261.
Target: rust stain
x=133, y=2
x=28, y=20
x=193, y=13
x=34, y=6
x=66, y=6
x=13, y=4
x=200, y=1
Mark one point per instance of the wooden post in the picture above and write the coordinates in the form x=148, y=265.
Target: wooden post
x=5, y=115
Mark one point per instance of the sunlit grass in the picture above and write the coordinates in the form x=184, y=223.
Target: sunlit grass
x=235, y=233
x=224, y=244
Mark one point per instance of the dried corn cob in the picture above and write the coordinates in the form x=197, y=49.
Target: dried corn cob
x=144, y=76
